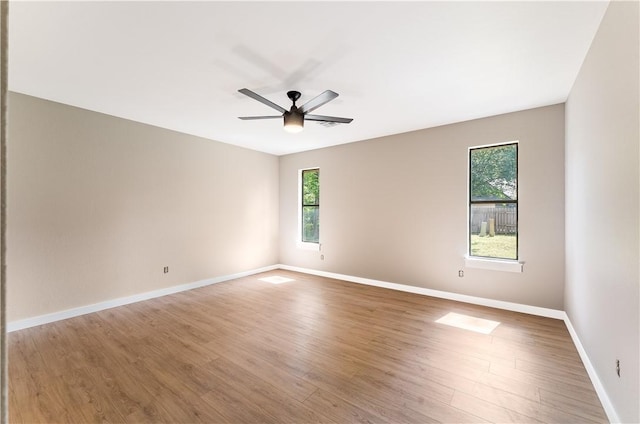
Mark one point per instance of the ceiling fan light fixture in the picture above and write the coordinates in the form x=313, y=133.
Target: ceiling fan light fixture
x=294, y=118
x=293, y=122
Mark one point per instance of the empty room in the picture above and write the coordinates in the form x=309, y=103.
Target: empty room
x=296, y=212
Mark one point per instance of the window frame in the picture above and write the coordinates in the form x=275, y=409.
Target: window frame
x=306, y=245
x=489, y=262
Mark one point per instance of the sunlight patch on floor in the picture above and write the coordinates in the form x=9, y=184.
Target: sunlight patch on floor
x=276, y=279
x=467, y=322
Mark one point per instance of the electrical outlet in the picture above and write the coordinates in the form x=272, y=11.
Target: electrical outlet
x=618, y=367
x=460, y=273
x=166, y=269
x=322, y=257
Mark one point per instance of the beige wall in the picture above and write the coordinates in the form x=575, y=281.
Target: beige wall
x=99, y=205
x=602, y=180
x=394, y=208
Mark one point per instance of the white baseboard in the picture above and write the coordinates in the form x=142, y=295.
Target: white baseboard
x=492, y=303
x=593, y=375
x=87, y=309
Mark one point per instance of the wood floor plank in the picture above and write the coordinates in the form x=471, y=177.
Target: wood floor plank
x=517, y=387
x=466, y=366
x=550, y=383
x=263, y=394
x=311, y=350
x=234, y=407
x=136, y=390
x=413, y=397
x=404, y=384
x=588, y=409
x=381, y=404
x=526, y=407
x=52, y=392
x=294, y=386
x=13, y=403
x=557, y=371
x=487, y=410
x=340, y=410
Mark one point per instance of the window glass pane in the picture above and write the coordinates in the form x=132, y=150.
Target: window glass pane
x=310, y=224
x=493, y=230
x=494, y=173
x=310, y=187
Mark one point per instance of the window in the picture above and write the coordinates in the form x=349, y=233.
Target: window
x=310, y=206
x=493, y=201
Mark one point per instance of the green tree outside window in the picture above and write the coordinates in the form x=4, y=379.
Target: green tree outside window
x=311, y=205
x=493, y=201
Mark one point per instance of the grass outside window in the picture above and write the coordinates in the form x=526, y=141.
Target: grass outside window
x=498, y=246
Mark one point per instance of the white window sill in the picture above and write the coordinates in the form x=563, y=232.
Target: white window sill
x=493, y=264
x=308, y=246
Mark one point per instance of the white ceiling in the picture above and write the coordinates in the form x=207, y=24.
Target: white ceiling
x=398, y=66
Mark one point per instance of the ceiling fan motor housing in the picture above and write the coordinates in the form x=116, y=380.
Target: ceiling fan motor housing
x=293, y=120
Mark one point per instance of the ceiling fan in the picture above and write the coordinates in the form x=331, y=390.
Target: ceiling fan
x=294, y=118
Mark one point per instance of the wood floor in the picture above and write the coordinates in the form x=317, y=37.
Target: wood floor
x=309, y=350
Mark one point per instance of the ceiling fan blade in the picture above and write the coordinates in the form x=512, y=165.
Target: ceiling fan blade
x=249, y=118
x=327, y=119
x=318, y=101
x=261, y=99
